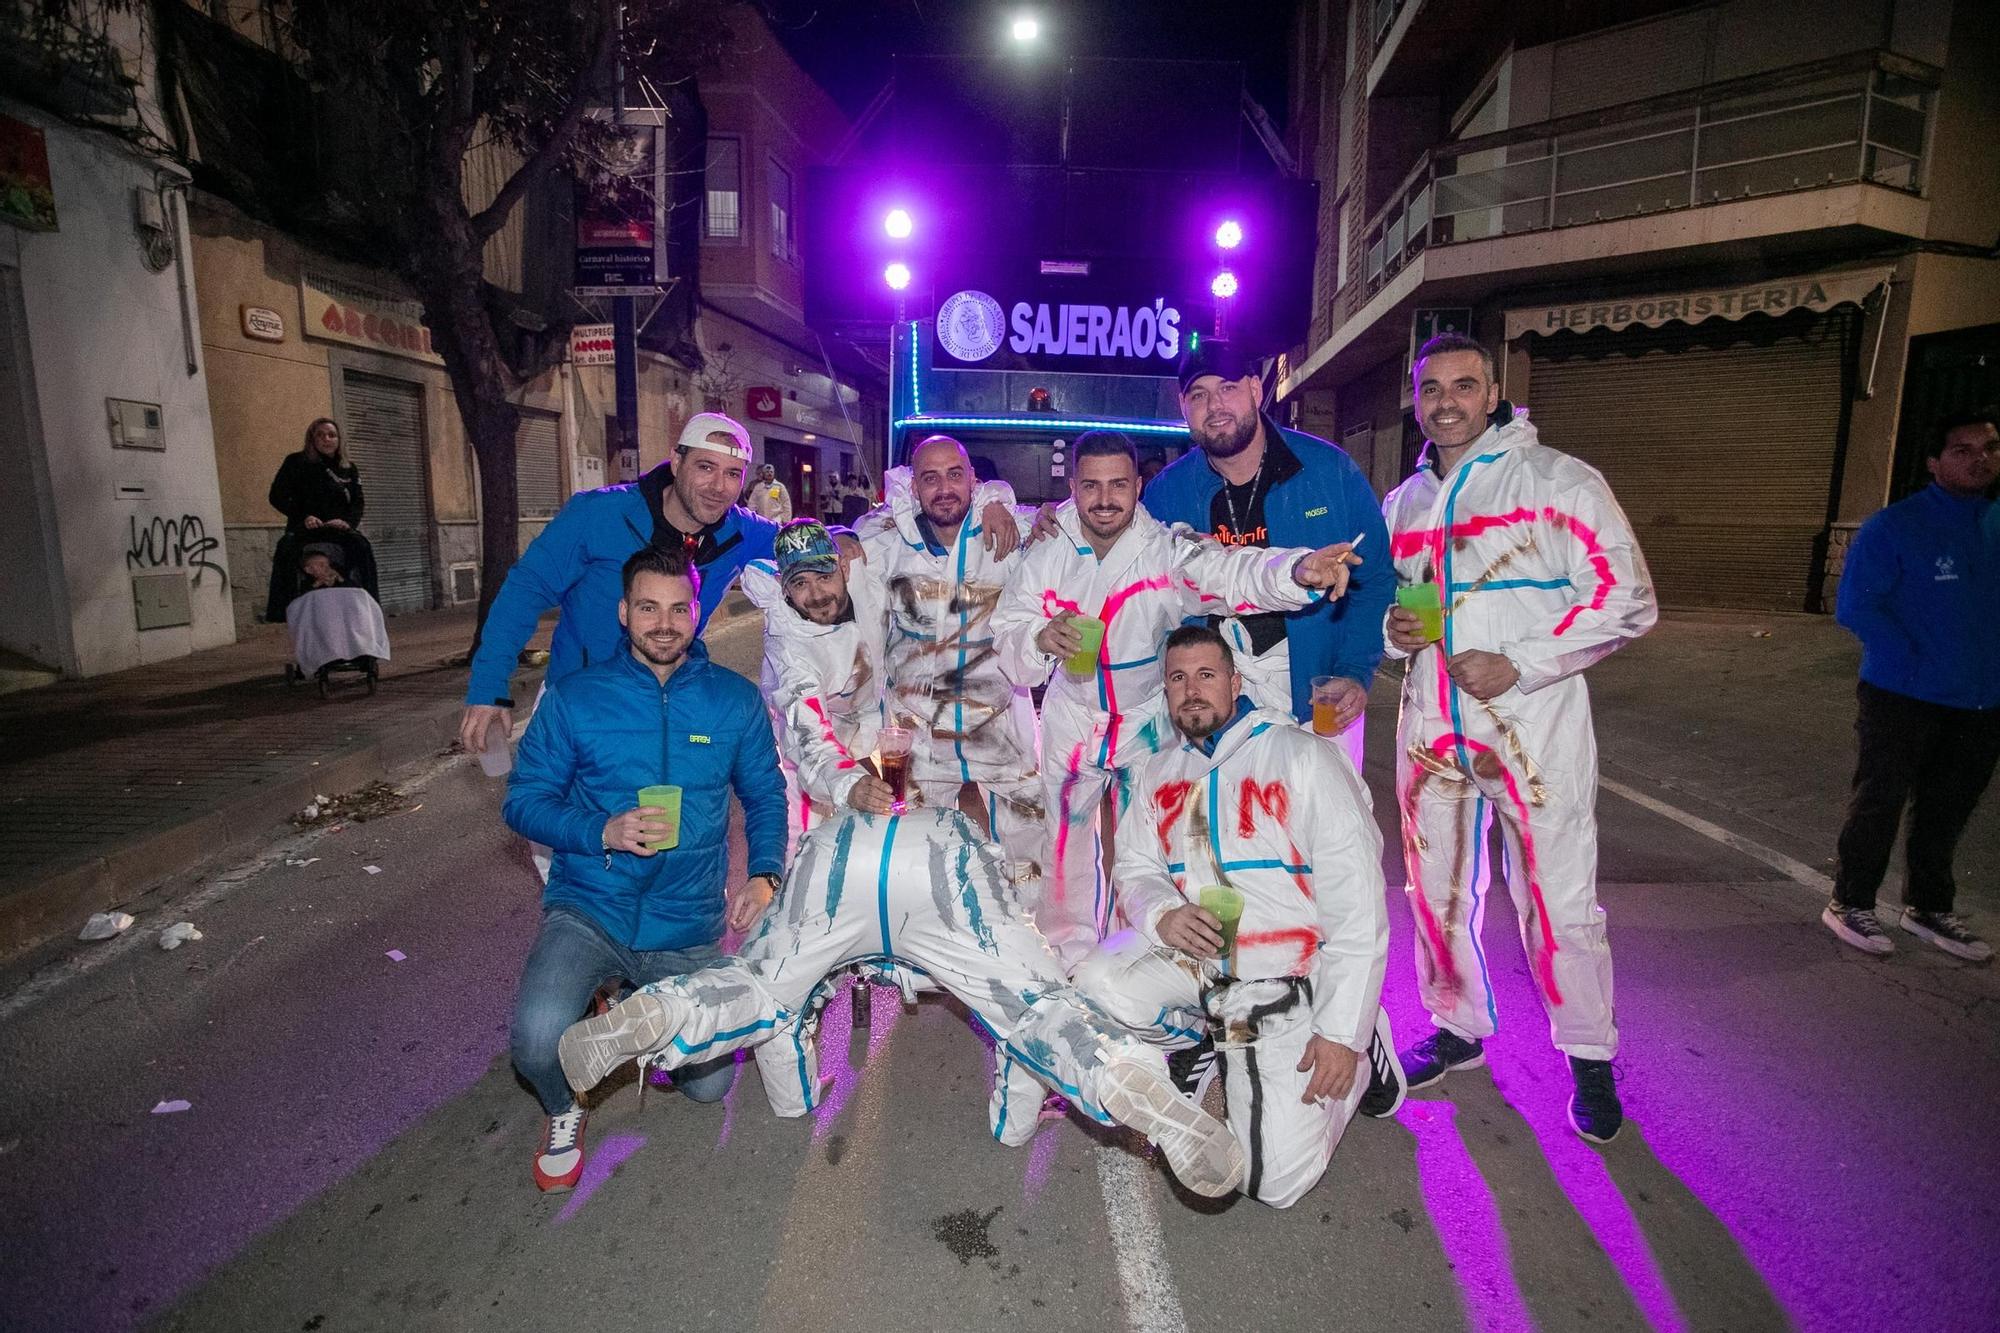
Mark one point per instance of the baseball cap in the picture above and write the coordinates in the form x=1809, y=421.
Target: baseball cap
x=1212, y=356
x=701, y=425
x=804, y=545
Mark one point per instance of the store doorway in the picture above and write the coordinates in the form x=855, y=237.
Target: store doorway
x=796, y=465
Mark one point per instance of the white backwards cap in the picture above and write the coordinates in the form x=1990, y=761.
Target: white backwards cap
x=701, y=425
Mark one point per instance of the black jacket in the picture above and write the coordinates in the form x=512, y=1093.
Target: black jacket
x=310, y=488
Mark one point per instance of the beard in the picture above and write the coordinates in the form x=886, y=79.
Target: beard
x=661, y=650
x=945, y=510
x=1107, y=522
x=1227, y=442
x=831, y=611
x=1198, y=721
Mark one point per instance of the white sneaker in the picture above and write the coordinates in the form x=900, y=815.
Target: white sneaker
x=559, y=1159
x=1202, y=1152
x=591, y=1049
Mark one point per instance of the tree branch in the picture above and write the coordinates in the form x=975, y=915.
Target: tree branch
x=589, y=78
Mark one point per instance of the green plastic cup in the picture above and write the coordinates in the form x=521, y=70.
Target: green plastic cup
x=1083, y=662
x=1426, y=599
x=667, y=800
x=1226, y=905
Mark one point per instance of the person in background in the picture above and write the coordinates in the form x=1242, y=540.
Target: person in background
x=636, y=894
x=1921, y=589
x=770, y=498
x=319, y=493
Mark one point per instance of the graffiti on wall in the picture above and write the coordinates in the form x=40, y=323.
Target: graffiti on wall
x=182, y=543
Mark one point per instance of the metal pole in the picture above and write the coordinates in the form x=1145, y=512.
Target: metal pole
x=624, y=322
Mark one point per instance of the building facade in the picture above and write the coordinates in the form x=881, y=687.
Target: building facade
x=1739, y=256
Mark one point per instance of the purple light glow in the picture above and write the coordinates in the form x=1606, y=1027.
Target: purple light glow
x=899, y=224
x=599, y=1162
x=1461, y=1207
x=897, y=275
x=1223, y=285
x=835, y=1031
x=1230, y=234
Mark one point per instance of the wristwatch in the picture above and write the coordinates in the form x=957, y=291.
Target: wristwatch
x=777, y=881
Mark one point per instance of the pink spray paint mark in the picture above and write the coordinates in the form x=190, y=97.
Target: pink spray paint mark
x=1276, y=802
x=1113, y=604
x=598, y=1164
x=1545, y=957
x=1071, y=776
x=826, y=730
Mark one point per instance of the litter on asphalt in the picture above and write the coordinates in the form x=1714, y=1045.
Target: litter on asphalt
x=396, y=956
x=168, y=1108
x=104, y=925
x=373, y=870
x=174, y=936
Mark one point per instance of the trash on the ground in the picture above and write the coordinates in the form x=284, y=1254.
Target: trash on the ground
x=397, y=956
x=377, y=800
x=174, y=936
x=310, y=813
x=168, y=1108
x=103, y=925
x=300, y=861
x=373, y=870
x=1760, y=634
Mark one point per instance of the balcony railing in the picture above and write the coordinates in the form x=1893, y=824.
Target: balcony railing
x=1725, y=144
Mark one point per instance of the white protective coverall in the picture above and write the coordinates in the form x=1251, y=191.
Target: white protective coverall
x=972, y=722
x=1537, y=563
x=1096, y=727
x=823, y=687
x=1279, y=815
x=926, y=891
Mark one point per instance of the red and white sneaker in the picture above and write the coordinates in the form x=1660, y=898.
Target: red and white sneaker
x=559, y=1160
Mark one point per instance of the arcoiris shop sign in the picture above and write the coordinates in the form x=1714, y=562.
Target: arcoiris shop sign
x=1070, y=322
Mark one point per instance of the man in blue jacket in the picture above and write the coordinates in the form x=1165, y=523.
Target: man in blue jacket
x=574, y=564
x=617, y=909
x=1251, y=483
x=1921, y=590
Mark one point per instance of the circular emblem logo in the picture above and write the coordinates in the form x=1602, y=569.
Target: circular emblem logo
x=970, y=326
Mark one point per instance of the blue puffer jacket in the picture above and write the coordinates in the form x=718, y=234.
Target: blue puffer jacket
x=610, y=729
x=576, y=565
x=1327, y=501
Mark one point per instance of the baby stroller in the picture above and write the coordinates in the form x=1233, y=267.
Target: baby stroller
x=335, y=626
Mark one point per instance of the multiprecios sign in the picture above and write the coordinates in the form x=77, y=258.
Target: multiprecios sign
x=1067, y=322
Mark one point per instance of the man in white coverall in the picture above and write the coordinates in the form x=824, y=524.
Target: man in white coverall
x=923, y=889
x=942, y=581
x=1539, y=577
x=1112, y=560
x=1247, y=800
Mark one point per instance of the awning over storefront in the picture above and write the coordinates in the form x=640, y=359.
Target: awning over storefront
x=1819, y=291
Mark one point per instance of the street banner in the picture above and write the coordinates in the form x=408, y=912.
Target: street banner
x=620, y=219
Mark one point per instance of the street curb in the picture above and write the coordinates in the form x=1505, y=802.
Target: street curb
x=32, y=914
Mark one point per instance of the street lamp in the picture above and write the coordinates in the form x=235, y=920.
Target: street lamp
x=899, y=224
x=1026, y=28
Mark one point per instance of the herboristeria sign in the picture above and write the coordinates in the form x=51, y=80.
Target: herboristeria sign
x=1084, y=322
x=1777, y=296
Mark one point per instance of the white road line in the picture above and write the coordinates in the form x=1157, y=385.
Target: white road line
x=89, y=958
x=1791, y=869
x=1151, y=1304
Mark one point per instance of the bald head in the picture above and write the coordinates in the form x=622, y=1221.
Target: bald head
x=941, y=479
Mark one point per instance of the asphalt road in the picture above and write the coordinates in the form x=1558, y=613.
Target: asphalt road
x=1809, y=1142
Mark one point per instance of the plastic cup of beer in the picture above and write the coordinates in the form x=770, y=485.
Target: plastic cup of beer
x=892, y=757
x=667, y=800
x=1083, y=662
x=497, y=759
x=1225, y=905
x=1427, y=601
x=1326, y=706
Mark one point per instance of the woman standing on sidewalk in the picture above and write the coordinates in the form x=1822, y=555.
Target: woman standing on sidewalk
x=319, y=493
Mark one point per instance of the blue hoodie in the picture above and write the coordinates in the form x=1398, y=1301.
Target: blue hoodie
x=1326, y=501
x=577, y=564
x=1921, y=590
x=608, y=730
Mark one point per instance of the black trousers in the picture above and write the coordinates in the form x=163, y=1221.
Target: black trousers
x=1935, y=759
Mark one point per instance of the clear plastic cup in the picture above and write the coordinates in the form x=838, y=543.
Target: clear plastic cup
x=1083, y=662
x=496, y=759
x=667, y=800
x=1326, y=708
x=892, y=758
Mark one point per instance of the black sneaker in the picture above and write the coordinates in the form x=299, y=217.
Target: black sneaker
x=1858, y=927
x=1594, y=1111
x=1192, y=1068
x=1947, y=931
x=1437, y=1055
x=1386, y=1084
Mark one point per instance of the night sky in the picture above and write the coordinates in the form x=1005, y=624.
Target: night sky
x=847, y=44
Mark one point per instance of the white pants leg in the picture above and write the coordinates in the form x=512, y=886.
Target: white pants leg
x=1159, y=994
x=1076, y=909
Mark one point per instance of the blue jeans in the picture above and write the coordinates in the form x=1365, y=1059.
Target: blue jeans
x=572, y=957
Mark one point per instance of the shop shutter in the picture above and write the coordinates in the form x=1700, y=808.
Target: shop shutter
x=384, y=437
x=538, y=464
x=1719, y=441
